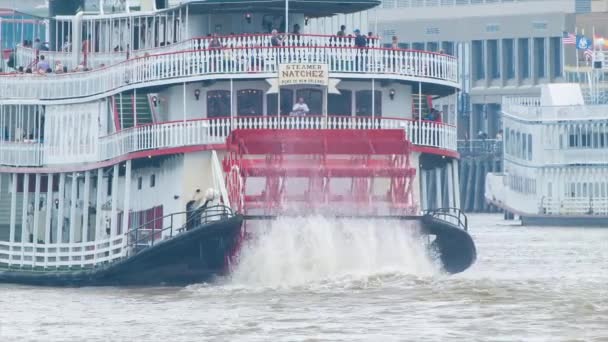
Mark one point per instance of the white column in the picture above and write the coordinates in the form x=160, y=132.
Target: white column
x=99, y=223
x=73, y=208
x=60, y=209
x=439, y=198
x=24, y=224
x=85, y=206
x=114, y=226
x=423, y=190
x=49, y=209
x=456, y=175
x=126, y=205
x=451, y=189
x=36, y=209
x=13, y=207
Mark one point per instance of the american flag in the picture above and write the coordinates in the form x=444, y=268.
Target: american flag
x=568, y=39
x=588, y=54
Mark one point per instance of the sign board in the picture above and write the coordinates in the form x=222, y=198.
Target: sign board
x=303, y=73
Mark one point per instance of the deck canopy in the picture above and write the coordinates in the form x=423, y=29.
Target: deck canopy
x=311, y=8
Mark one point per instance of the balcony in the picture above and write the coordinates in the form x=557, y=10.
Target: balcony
x=214, y=131
x=530, y=109
x=246, y=62
x=27, y=56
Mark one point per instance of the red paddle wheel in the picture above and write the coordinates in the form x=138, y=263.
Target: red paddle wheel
x=331, y=172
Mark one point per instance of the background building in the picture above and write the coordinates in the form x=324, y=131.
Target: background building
x=507, y=47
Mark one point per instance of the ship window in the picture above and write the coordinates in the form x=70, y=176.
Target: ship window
x=152, y=181
x=249, y=102
x=507, y=140
x=340, y=104
x=286, y=102
x=313, y=98
x=363, y=103
x=603, y=189
x=139, y=181
x=549, y=189
x=218, y=103
x=529, y=146
x=524, y=149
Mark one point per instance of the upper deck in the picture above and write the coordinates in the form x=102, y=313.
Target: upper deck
x=243, y=57
x=556, y=129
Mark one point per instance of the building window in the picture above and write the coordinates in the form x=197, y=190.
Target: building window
x=139, y=182
x=286, y=102
x=249, y=102
x=524, y=57
x=218, y=103
x=508, y=60
x=493, y=58
x=432, y=46
x=448, y=48
x=152, y=181
x=313, y=98
x=418, y=46
x=539, y=57
x=363, y=103
x=556, y=56
x=479, y=72
x=340, y=104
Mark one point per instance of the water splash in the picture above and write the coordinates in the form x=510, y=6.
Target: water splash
x=299, y=251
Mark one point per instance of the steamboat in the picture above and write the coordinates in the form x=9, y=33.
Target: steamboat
x=555, y=159
x=140, y=137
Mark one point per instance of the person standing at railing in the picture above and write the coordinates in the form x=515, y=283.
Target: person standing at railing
x=300, y=108
x=361, y=45
x=86, y=47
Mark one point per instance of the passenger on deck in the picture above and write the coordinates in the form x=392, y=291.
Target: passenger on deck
x=215, y=42
x=43, y=64
x=276, y=39
x=342, y=31
x=394, y=43
x=300, y=108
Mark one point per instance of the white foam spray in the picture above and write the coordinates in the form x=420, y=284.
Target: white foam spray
x=298, y=251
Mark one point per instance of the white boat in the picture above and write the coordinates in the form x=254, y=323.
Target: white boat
x=555, y=159
x=106, y=158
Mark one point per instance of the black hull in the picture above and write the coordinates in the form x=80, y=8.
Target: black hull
x=453, y=245
x=193, y=256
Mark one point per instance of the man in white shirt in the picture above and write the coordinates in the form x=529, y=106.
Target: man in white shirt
x=300, y=108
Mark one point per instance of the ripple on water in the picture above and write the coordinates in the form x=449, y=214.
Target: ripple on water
x=529, y=284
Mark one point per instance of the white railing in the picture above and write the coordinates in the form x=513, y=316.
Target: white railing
x=529, y=101
x=498, y=193
x=62, y=255
x=21, y=153
x=26, y=56
x=215, y=131
x=555, y=113
x=227, y=61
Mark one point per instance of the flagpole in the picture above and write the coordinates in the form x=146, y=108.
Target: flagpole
x=563, y=73
x=576, y=51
